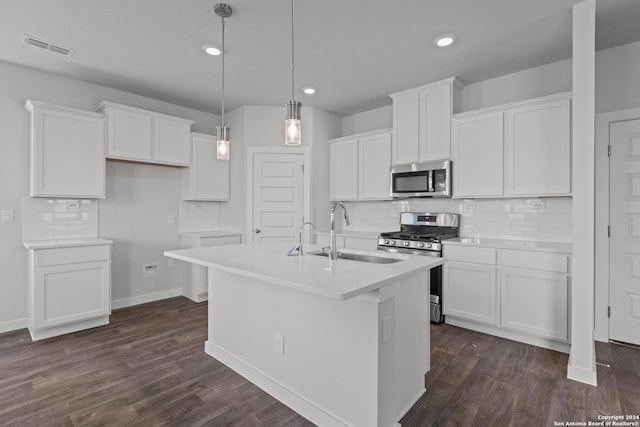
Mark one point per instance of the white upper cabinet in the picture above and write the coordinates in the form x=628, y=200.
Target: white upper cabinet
x=478, y=145
x=343, y=169
x=538, y=149
x=516, y=150
x=359, y=166
x=207, y=178
x=67, y=152
x=422, y=121
x=145, y=136
x=374, y=161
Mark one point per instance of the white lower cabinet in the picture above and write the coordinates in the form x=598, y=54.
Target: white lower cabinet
x=69, y=289
x=195, y=277
x=517, y=294
x=470, y=291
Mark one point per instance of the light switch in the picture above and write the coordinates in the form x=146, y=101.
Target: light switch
x=7, y=215
x=171, y=219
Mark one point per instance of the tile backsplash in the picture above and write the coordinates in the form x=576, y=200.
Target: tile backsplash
x=46, y=219
x=198, y=216
x=547, y=219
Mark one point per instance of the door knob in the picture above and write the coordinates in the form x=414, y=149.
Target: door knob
x=257, y=230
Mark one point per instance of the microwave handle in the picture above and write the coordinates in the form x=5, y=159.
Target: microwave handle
x=430, y=182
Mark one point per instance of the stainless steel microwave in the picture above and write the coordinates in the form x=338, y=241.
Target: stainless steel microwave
x=425, y=179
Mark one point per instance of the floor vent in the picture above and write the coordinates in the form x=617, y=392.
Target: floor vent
x=46, y=45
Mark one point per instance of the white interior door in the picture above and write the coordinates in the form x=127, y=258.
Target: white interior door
x=624, y=283
x=278, y=207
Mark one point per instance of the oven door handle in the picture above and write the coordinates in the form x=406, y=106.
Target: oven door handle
x=430, y=186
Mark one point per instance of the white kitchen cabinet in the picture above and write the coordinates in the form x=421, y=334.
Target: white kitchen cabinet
x=478, y=146
x=538, y=149
x=469, y=288
x=69, y=287
x=359, y=166
x=534, y=293
x=422, y=121
x=195, y=277
x=521, y=149
x=145, y=136
x=67, y=152
x=207, y=178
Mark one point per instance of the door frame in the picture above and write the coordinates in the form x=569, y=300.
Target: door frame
x=306, y=202
x=602, y=199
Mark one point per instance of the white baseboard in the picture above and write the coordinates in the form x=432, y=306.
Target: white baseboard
x=13, y=325
x=290, y=398
x=587, y=376
x=142, y=299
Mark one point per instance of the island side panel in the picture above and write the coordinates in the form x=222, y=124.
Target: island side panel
x=332, y=349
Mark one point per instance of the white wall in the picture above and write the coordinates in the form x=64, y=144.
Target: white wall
x=137, y=205
x=379, y=118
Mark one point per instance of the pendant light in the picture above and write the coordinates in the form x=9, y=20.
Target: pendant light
x=222, y=141
x=292, y=124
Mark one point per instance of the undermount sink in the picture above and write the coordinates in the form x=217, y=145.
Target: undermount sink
x=359, y=257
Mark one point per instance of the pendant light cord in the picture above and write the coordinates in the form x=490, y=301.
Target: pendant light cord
x=223, y=53
x=292, y=57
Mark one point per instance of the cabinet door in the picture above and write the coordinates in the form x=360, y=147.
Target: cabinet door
x=538, y=149
x=67, y=153
x=469, y=291
x=71, y=292
x=406, y=127
x=207, y=178
x=374, y=161
x=343, y=181
x=128, y=134
x=435, y=129
x=172, y=141
x=534, y=302
x=478, y=156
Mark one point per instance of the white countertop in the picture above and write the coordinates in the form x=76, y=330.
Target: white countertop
x=64, y=243
x=564, y=248
x=340, y=279
x=210, y=233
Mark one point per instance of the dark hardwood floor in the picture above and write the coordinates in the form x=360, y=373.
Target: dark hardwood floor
x=148, y=368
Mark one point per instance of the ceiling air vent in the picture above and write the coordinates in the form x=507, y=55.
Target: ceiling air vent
x=46, y=45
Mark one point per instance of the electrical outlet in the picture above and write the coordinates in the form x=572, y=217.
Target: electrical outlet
x=170, y=262
x=73, y=205
x=386, y=328
x=171, y=219
x=537, y=204
x=279, y=344
x=150, y=270
x=469, y=206
x=7, y=215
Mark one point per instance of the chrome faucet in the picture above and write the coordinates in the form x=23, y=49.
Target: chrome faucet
x=333, y=253
x=300, y=253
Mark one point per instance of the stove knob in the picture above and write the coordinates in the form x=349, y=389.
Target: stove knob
x=407, y=243
x=421, y=245
x=393, y=242
x=428, y=245
x=386, y=241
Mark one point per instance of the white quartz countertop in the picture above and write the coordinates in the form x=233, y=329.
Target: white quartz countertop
x=210, y=233
x=564, y=248
x=64, y=243
x=340, y=279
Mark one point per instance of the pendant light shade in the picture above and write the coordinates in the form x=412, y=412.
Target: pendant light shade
x=222, y=131
x=292, y=121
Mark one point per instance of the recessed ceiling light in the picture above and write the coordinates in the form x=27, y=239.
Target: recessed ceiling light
x=211, y=49
x=309, y=90
x=444, y=40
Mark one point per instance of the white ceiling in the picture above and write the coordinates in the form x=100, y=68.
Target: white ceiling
x=355, y=52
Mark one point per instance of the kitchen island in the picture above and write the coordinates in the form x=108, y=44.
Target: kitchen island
x=341, y=342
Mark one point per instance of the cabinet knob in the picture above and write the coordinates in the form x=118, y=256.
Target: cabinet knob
x=257, y=230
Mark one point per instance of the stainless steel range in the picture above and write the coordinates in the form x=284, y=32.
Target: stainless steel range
x=422, y=233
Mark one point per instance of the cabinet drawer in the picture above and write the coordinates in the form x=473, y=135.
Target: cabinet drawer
x=73, y=255
x=544, y=261
x=219, y=241
x=470, y=254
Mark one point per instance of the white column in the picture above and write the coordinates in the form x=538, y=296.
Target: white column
x=582, y=361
